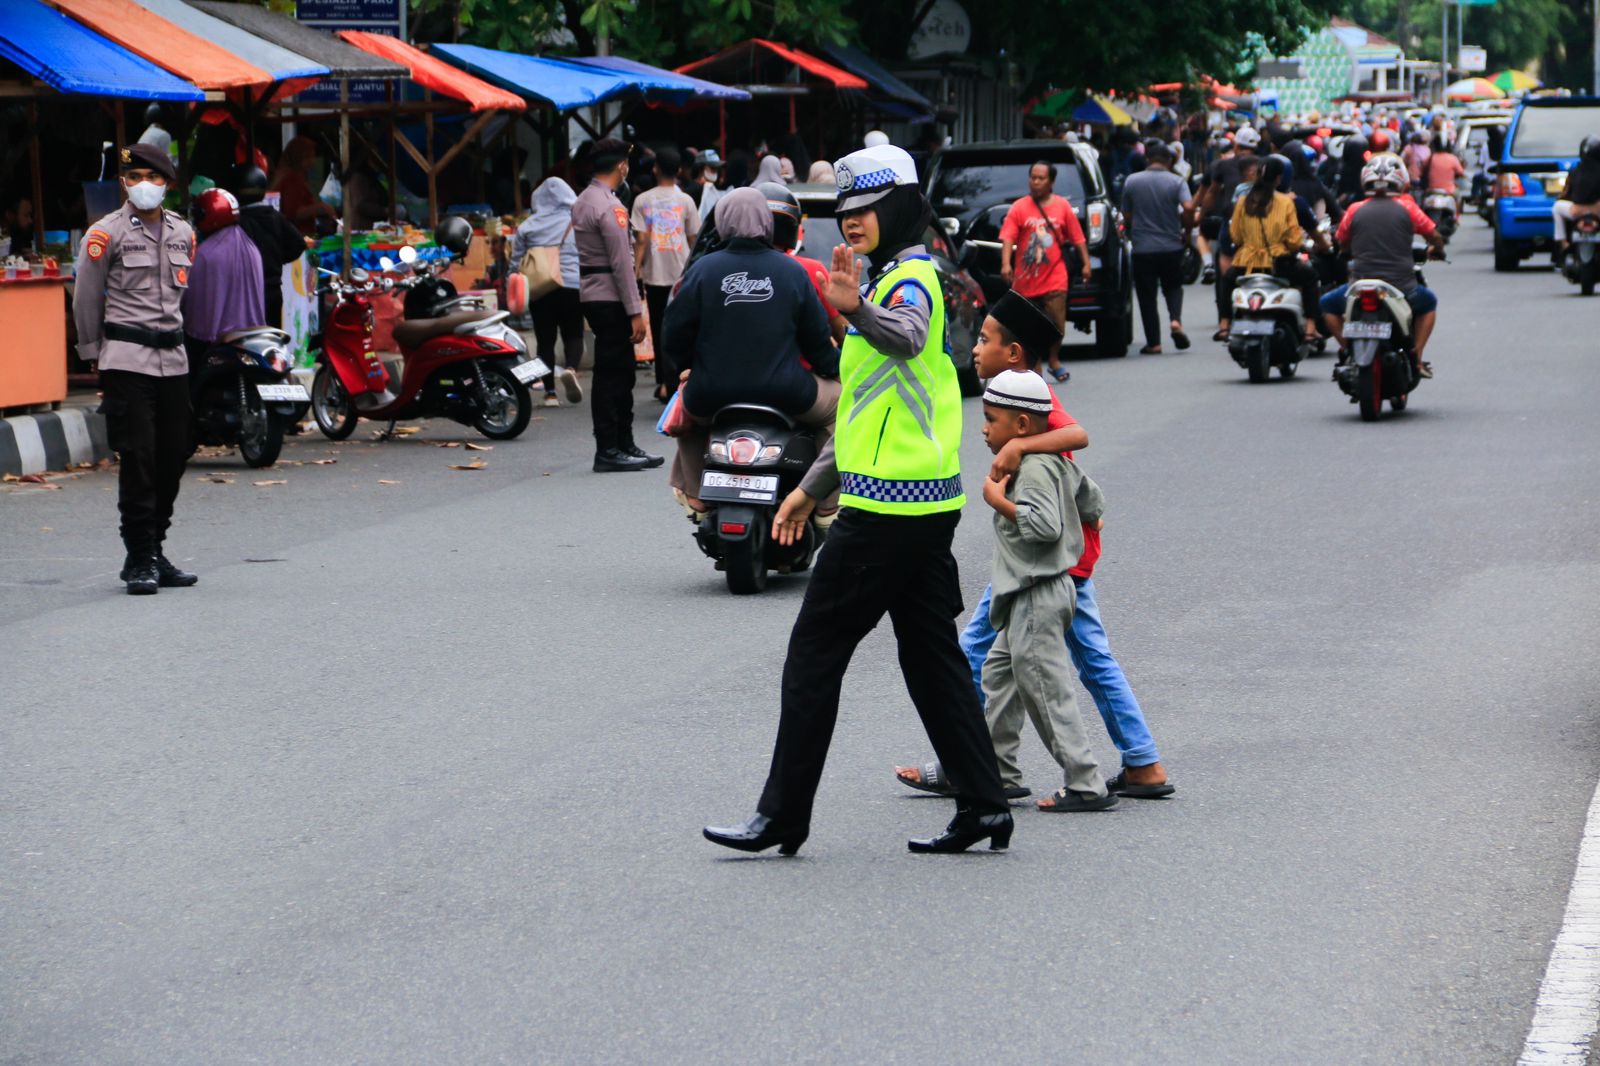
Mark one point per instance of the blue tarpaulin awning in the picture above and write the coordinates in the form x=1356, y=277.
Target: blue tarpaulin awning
x=658, y=84
x=71, y=58
x=564, y=86
x=886, y=91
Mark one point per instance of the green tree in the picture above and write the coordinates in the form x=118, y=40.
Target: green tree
x=1515, y=32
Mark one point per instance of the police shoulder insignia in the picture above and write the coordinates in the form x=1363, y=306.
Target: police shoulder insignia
x=621, y=215
x=95, y=243
x=905, y=294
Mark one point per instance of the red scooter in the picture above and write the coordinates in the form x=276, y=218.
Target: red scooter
x=461, y=362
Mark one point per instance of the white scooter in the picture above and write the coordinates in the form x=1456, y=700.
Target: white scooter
x=1268, y=328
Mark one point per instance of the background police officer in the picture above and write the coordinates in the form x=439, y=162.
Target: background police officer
x=895, y=456
x=132, y=271
x=608, y=291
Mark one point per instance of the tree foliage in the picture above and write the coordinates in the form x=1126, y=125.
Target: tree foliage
x=1515, y=32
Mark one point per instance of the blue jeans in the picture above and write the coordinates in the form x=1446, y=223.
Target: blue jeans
x=1097, y=669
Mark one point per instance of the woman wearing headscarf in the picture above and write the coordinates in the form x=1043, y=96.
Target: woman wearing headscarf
x=821, y=172
x=743, y=317
x=896, y=456
x=770, y=169
x=1267, y=238
x=1304, y=183
x=557, y=311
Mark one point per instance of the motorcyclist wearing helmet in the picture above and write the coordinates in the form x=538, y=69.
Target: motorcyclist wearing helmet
x=274, y=236
x=787, y=225
x=1378, y=231
x=1580, y=195
x=742, y=319
x=225, y=290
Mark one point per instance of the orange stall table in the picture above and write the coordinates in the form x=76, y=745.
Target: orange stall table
x=33, y=359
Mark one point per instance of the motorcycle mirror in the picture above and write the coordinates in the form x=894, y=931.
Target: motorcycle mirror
x=359, y=276
x=951, y=226
x=408, y=254
x=386, y=263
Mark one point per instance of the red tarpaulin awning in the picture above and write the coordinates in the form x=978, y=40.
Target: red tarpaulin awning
x=168, y=46
x=728, y=65
x=435, y=74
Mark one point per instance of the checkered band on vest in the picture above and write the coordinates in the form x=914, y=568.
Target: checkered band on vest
x=874, y=179
x=874, y=488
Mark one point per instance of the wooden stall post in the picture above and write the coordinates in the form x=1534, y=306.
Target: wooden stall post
x=388, y=94
x=38, y=178
x=344, y=165
x=433, y=173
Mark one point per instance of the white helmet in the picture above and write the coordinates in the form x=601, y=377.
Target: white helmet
x=1385, y=173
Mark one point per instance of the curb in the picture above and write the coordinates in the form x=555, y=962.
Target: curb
x=54, y=440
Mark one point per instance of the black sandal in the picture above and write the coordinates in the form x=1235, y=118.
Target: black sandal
x=1181, y=339
x=1067, y=802
x=1150, y=349
x=930, y=778
x=1120, y=786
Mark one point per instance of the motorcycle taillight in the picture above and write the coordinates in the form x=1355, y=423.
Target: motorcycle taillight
x=1589, y=223
x=742, y=451
x=1369, y=301
x=1256, y=300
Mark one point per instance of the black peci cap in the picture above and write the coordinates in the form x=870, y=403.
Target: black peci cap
x=1034, y=330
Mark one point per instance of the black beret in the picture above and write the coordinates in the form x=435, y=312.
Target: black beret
x=148, y=155
x=1034, y=330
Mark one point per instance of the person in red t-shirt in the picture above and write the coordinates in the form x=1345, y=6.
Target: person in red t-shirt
x=1014, y=337
x=1031, y=253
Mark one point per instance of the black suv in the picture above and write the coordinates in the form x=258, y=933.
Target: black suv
x=972, y=186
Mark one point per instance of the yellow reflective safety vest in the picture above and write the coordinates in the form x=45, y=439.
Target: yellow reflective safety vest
x=898, y=430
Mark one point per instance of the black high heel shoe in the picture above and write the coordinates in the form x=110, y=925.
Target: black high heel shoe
x=758, y=834
x=966, y=829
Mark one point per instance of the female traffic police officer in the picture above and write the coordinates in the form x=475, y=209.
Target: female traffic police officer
x=896, y=459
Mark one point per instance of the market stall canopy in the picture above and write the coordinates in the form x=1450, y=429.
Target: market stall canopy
x=1515, y=81
x=293, y=71
x=431, y=73
x=658, y=84
x=1473, y=89
x=71, y=58
x=1100, y=110
x=766, y=66
x=171, y=47
x=341, y=59
x=885, y=92
x=561, y=85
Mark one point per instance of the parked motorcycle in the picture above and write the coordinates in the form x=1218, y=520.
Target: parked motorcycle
x=246, y=396
x=757, y=456
x=1582, y=263
x=1269, y=327
x=1440, y=206
x=464, y=364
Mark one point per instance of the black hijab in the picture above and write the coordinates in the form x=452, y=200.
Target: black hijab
x=903, y=220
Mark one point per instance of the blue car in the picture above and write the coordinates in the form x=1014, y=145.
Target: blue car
x=1540, y=147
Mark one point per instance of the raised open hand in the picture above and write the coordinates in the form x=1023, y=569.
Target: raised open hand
x=844, y=282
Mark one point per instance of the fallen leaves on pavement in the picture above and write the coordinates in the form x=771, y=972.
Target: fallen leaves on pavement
x=476, y=464
x=471, y=447
x=275, y=482
x=382, y=482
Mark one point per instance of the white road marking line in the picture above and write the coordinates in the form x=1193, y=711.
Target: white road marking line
x=1568, y=1009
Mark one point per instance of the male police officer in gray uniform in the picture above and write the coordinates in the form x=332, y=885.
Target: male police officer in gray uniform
x=132, y=270
x=609, y=295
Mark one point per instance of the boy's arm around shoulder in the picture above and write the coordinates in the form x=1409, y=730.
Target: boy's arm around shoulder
x=1090, y=501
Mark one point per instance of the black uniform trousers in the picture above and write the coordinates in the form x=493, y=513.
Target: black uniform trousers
x=874, y=565
x=611, y=390
x=148, y=426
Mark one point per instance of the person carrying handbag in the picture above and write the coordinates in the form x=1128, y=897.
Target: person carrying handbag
x=1037, y=223
x=546, y=254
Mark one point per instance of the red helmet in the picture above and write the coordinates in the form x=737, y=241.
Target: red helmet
x=1314, y=142
x=1379, y=141
x=214, y=209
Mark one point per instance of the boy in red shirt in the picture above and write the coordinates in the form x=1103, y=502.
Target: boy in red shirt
x=1014, y=337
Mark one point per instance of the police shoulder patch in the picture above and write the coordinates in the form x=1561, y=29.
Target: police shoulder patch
x=621, y=215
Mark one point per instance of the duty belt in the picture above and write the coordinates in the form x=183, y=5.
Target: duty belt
x=150, y=338
x=584, y=272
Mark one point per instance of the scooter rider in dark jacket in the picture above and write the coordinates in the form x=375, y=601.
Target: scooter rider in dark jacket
x=741, y=320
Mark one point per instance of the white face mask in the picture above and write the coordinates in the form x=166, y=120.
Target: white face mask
x=147, y=195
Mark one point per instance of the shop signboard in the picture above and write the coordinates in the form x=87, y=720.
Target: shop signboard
x=946, y=30
x=1472, y=59
x=373, y=16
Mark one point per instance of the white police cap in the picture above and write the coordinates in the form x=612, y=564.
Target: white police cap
x=867, y=176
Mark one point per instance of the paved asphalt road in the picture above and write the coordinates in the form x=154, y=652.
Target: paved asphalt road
x=417, y=773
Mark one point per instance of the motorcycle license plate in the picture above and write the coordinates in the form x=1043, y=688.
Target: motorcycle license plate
x=1251, y=327
x=1555, y=186
x=533, y=368
x=1587, y=237
x=1374, y=331
x=284, y=393
x=744, y=488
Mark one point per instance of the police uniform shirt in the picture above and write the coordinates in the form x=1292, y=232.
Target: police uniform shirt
x=133, y=275
x=604, y=237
